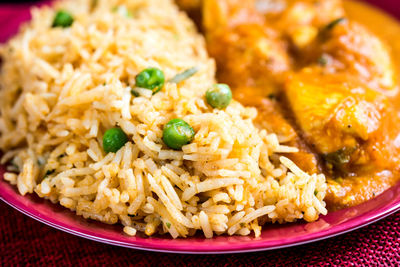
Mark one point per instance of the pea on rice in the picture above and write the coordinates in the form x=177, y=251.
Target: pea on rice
x=62, y=88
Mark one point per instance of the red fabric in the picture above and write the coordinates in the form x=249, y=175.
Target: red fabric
x=27, y=242
x=24, y=241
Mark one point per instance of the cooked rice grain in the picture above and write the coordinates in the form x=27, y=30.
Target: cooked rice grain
x=61, y=89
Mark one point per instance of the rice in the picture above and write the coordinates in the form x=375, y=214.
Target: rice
x=61, y=89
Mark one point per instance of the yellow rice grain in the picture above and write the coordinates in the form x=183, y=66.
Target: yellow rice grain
x=62, y=88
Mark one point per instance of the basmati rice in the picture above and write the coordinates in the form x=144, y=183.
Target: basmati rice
x=61, y=89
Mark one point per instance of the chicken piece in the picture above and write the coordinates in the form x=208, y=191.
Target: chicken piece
x=332, y=113
x=300, y=20
x=250, y=55
x=343, y=120
x=223, y=14
x=349, y=47
x=312, y=12
x=299, y=12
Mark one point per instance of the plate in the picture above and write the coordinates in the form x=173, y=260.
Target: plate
x=272, y=237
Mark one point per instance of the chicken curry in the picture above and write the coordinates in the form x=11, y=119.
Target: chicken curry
x=323, y=76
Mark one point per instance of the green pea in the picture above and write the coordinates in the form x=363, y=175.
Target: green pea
x=177, y=133
x=151, y=78
x=62, y=19
x=114, y=139
x=219, y=96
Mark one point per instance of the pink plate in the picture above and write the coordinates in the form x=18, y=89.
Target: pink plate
x=272, y=237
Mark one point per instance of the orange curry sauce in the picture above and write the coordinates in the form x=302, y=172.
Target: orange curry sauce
x=323, y=76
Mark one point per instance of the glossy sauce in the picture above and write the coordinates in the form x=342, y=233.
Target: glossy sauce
x=351, y=191
x=346, y=107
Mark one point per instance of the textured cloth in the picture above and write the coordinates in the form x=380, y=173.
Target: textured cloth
x=26, y=241
x=23, y=241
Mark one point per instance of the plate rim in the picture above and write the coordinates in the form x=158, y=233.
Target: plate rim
x=364, y=219
x=189, y=252
x=382, y=212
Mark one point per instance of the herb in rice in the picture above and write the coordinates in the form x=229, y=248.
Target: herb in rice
x=62, y=88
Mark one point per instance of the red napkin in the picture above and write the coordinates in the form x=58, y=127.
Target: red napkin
x=24, y=241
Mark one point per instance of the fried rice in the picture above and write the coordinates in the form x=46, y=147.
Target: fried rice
x=62, y=88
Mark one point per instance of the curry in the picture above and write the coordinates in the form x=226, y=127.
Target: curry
x=323, y=76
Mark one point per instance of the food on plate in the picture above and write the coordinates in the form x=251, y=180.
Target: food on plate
x=62, y=19
x=177, y=133
x=112, y=110
x=219, y=96
x=321, y=80
x=118, y=111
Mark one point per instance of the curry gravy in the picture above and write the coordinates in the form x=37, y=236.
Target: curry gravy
x=351, y=191
x=293, y=63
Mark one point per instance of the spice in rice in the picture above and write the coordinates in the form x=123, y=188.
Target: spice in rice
x=63, y=88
